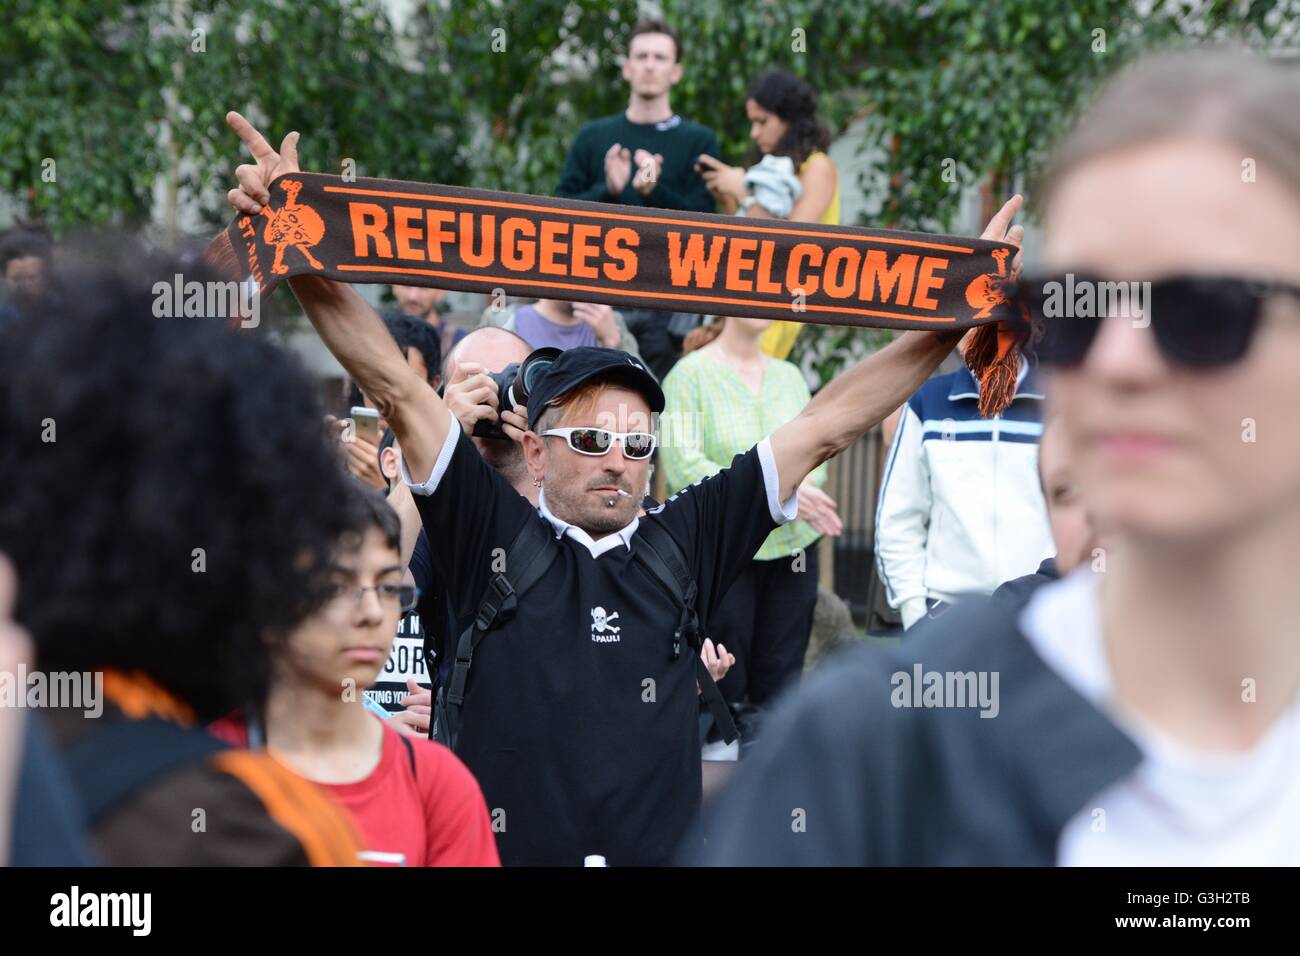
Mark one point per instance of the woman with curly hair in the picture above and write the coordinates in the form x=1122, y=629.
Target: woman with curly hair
x=412, y=801
x=790, y=176
x=171, y=506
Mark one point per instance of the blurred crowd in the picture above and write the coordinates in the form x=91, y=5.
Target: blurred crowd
x=488, y=611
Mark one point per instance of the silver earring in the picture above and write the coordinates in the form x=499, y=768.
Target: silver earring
x=537, y=483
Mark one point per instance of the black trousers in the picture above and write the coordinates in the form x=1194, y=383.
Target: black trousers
x=765, y=619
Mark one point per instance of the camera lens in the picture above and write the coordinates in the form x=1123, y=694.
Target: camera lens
x=514, y=382
x=530, y=372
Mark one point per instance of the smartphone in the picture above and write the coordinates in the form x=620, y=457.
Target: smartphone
x=365, y=422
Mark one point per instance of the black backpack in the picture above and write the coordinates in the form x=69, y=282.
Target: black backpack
x=529, y=556
x=120, y=758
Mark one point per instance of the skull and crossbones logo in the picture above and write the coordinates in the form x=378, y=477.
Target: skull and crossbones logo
x=600, y=621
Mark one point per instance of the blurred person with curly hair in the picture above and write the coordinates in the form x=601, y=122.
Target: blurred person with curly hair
x=171, y=504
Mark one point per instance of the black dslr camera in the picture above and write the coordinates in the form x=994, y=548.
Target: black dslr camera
x=514, y=383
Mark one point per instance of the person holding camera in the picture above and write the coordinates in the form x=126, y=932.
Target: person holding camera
x=472, y=396
x=580, y=715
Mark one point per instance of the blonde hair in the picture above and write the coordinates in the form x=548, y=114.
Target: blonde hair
x=1226, y=94
x=581, y=399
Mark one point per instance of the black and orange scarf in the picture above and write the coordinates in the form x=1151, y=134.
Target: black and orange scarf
x=474, y=240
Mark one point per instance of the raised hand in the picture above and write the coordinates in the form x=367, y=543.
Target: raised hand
x=1000, y=229
x=267, y=164
x=618, y=169
x=649, y=167
x=819, y=510
x=600, y=318
x=471, y=396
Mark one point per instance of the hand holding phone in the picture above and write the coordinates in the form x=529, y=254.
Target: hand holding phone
x=365, y=422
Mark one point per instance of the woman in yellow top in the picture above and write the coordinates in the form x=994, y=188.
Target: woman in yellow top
x=783, y=121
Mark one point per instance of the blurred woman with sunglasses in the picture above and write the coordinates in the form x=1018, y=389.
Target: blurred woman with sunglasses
x=1183, y=425
x=1147, y=711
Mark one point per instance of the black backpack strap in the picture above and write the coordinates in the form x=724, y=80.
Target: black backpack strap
x=410, y=753
x=659, y=552
x=112, y=762
x=666, y=563
x=434, y=648
x=527, y=559
x=717, y=704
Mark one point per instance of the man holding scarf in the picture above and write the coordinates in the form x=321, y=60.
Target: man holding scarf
x=579, y=722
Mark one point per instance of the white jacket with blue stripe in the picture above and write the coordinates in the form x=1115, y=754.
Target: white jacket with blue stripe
x=961, y=508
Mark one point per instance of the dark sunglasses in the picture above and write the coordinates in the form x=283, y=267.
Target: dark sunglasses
x=598, y=441
x=1198, y=321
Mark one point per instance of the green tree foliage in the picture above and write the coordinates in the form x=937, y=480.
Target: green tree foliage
x=79, y=101
x=990, y=86
x=333, y=70
x=124, y=94
x=528, y=75
x=489, y=93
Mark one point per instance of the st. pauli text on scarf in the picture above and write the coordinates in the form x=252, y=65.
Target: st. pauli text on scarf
x=474, y=240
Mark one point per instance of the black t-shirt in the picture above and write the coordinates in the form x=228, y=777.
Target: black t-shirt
x=579, y=724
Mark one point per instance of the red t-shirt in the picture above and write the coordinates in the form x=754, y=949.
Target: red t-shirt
x=434, y=817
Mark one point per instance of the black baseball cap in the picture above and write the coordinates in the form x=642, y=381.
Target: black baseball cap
x=575, y=367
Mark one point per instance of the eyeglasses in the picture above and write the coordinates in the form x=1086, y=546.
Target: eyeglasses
x=598, y=441
x=399, y=596
x=1198, y=321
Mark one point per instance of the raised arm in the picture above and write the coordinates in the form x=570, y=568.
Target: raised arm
x=357, y=336
x=346, y=323
x=864, y=395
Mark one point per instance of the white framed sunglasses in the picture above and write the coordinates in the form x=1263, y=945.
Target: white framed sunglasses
x=598, y=441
